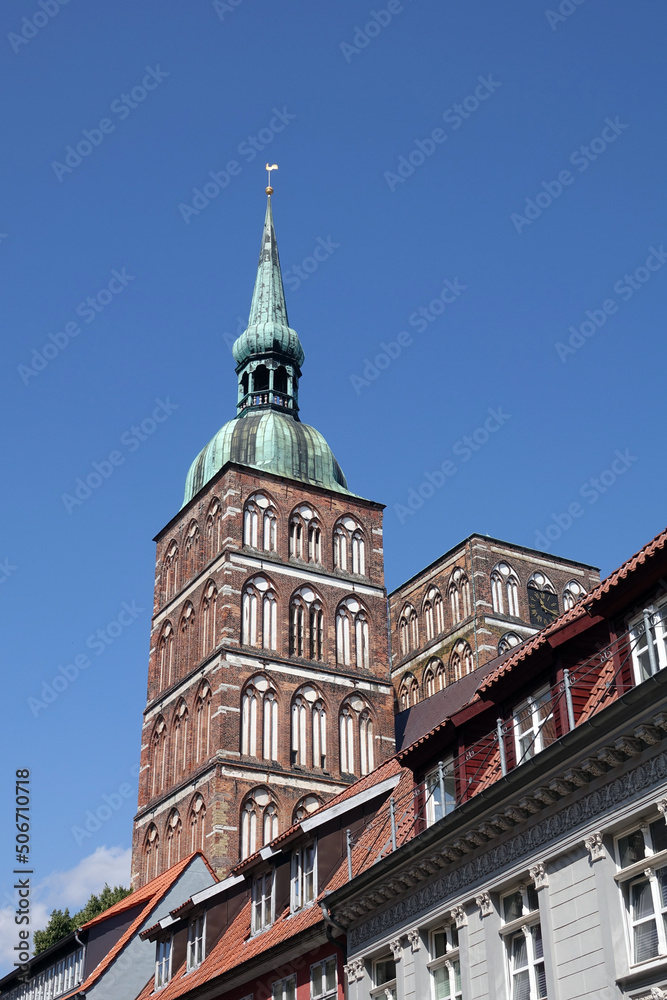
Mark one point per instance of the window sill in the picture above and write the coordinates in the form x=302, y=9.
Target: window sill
x=638, y=972
x=658, y=860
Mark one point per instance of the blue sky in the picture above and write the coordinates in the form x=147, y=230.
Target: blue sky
x=534, y=207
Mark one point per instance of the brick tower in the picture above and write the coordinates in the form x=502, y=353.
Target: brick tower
x=268, y=679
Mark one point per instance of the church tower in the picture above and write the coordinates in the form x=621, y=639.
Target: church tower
x=268, y=679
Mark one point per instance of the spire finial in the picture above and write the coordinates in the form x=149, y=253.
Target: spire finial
x=274, y=166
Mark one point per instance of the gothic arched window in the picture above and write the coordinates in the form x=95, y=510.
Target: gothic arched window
x=434, y=678
x=151, y=853
x=213, y=529
x=306, y=625
x=540, y=581
x=158, y=756
x=259, y=821
x=308, y=728
x=459, y=595
x=260, y=523
x=166, y=656
x=179, y=739
x=349, y=546
x=572, y=592
x=305, y=535
x=188, y=645
x=197, y=824
x=170, y=570
x=461, y=660
x=357, y=749
x=192, y=550
x=304, y=807
x=508, y=641
x=209, y=610
x=352, y=634
x=173, y=839
x=504, y=584
x=408, y=693
x=259, y=611
x=203, y=724
x=434, y=618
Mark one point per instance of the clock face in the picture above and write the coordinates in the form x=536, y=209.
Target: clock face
x=543, y=607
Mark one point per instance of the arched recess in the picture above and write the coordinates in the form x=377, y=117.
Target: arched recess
x=259, y=718
x=172, y=837
x=505, y=590
x=305, y=534
x=258, y=820
x=197, y=824
x=461, y=660
x=307, y=624
x=308, y=728
x=352, y=634
x=408, y=693
x=356, y=736
x=434, y=677
x=305, y=807
x=151, y=853
x=259, y=613
x=349, y=546
x=508, y=641
x=260, y=522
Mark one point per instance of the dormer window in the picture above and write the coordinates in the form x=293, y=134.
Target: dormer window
x=163, y=962
x=304, y=877
x=196, y=942
x=262, y=902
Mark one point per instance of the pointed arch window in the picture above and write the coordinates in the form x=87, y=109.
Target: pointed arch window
x=259, y=821
x=349, y=546
x=540, y=581
x=434, y=678
x=505, y=589
x=197, y=824
x=151, y=853
x=459, y=595
x=304, y=807
x=306, y=625
x=214, y=529
x=158, y=756
x=179, y=739
x=259, y=612
x=357, y=746
x=408, y=694
x=260, y=523
x=572, y=593
x=188, y=650
x=209, y=611
x=170, y=570
x=352, y=634
x=166, y=656
x=433, y=613
x=203, y=724
x=192, y=545
x=173, y=839
x=461, y=660
x=305, y=538
x=270, y=736
x=308, y=728
x=508, y=641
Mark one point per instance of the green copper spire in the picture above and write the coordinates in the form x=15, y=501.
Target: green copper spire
x=268, y=331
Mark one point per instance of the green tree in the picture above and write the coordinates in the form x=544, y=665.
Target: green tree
x=61, y=924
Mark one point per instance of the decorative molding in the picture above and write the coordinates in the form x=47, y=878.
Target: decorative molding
x=484, y=903
x=489, y=861
x=396, y=949
x=354, y=969
x=538, y=874
x=662, y=808
x=595, y=847
x=459, y=916
x=415, y=939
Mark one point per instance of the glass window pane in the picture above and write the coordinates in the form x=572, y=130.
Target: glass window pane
x=531, y=898
x=330, y=974
x=631, y=848
x=519, y=952
x=512, y=907
x=439, y=947
x=537, y=939
x=646, y=941
x=457, y=976
x=385, y=970
x=641, y=899
x=521, y=986
x=441, y=983
x=659, y=835
x=541, y=979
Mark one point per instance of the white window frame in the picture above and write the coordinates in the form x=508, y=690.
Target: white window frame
x=640, y=656
x=163, y=961
x=529, y=710
x=318, y=973
x=434, y=807
x=651, y=869
x=528, y=925
x=303, y=882
x=450, y=961
x=279, y=988
x=263, y=902
x=388, y=987
x=196, y=951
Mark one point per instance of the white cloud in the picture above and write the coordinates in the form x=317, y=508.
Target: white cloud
x=61, y=889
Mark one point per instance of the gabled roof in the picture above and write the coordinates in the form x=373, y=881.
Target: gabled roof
x=148, y=895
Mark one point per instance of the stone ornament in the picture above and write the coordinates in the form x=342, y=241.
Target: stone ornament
x=414, y=937
x=396, y=949
x=595, y=847
x=459, y=916
x=484, y=903
x=538, y=874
